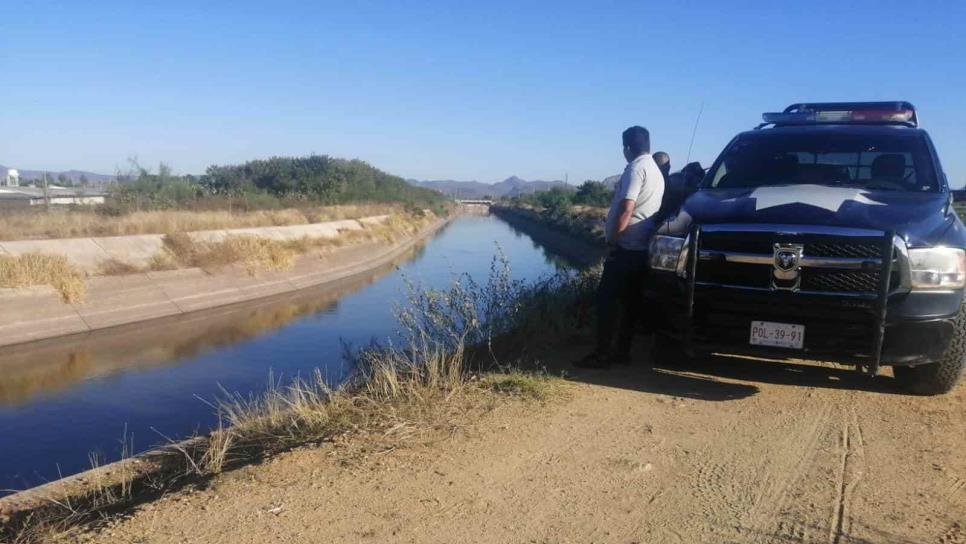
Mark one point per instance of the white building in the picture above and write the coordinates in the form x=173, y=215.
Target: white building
x=25, y=197
x=10, y=178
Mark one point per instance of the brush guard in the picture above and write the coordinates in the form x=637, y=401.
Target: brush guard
x=869, y=365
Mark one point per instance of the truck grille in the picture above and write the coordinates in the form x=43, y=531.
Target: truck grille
x=831, y=264
x=840, y=281
x=845, y=249
x=830, y=285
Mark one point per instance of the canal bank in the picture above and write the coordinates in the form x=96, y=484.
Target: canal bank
x=570, y=247
x=38, y=313
x=153, y=381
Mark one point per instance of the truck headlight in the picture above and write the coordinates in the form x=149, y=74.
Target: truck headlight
x=937, y=268
x=667, y=252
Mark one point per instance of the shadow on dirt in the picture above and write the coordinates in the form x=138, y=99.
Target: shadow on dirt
x=785, y=373
x=664, y=382
x=722, y=377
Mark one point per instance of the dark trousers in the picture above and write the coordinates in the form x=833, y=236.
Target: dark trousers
x=620, y=304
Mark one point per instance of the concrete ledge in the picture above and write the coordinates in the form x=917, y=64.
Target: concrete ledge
x=33, y=314
x=38, y=313
x=134, y=250
x=82, y=252
x=114, y=300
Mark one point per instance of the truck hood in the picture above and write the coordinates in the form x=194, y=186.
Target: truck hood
x=920, y=218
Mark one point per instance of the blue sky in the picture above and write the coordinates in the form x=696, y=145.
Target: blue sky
x=461, y=90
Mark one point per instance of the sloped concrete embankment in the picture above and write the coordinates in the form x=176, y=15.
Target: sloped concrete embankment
x=90, y=254
x=37, y=313
x=572, y=248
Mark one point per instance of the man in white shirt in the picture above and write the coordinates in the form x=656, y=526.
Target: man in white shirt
x=630, y=224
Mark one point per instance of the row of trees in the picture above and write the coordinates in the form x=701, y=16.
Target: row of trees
x=61, y=179
x=559, y=200
x=270, y=183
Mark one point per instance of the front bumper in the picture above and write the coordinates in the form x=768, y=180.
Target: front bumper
x=918, y=326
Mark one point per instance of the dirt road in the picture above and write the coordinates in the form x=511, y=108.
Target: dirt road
x=724, y=451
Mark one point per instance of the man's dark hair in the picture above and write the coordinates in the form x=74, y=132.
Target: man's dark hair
x=637, y=139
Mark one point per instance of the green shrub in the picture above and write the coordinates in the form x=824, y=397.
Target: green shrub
x=593, y=193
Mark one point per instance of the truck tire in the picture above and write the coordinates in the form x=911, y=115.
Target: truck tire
x=940, y=377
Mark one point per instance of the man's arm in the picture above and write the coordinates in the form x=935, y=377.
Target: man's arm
x=627, y=210
x=629, y=200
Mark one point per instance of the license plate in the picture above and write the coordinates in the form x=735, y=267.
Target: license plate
x=782, y=335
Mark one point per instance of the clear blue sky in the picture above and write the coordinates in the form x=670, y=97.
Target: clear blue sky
x=462, y=90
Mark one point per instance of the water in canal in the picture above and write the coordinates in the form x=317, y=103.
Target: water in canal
x=64, y=398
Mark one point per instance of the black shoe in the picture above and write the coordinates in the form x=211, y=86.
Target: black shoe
x=594, y=360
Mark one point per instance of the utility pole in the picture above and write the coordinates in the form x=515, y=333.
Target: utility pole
x=46, y=193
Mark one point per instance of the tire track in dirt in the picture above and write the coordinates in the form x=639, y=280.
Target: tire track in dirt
x=852, y=455
x=785, y=468
x=739, y=481
x=954, y=492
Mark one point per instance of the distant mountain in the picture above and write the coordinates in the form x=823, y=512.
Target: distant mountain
x=73, y=175
x=611, y=181
x=510, y=187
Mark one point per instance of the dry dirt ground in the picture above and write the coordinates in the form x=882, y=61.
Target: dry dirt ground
x=721, y=451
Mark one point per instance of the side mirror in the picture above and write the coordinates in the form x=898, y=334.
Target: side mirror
x=693, y=175
x=959, y=195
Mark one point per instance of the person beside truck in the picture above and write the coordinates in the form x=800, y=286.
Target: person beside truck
x=630, y=224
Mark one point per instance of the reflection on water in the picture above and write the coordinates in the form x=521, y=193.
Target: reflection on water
x=49, y=366
x=57, y=364
x=63, y=398
x=559, y=260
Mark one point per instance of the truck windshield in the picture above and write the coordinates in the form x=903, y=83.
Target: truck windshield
x=874, y=161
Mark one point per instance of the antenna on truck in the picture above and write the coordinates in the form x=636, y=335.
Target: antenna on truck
x=694, y=131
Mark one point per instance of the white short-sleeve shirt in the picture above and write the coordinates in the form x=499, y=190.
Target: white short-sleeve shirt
x=643, y=183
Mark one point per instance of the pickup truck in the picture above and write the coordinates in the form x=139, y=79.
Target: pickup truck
x=828, y=232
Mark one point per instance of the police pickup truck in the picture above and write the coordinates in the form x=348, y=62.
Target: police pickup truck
x=829, y=233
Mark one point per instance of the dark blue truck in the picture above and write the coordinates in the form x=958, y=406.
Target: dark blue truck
x=828, y=232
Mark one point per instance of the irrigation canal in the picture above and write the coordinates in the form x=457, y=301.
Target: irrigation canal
x=62, y=400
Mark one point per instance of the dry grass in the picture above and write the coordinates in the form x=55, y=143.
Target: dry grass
x=181, y=250
x=254, y=253
x=432, y=380
x=114, y=267
x=42, y=224
x=40, y=269
x=531, y=385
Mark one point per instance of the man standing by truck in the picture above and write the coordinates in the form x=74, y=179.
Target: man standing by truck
x=637, y=198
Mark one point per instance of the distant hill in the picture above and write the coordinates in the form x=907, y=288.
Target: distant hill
x=611, y=181
x=73, y=175
x=510, y=187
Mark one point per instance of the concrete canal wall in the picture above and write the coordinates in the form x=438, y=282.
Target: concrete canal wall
x=36, y=313
x=89, y=254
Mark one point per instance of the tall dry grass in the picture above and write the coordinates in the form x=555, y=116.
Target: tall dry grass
x=32, y=269
x=257, y=254
x=57, y=223
x=454, y=343
x=254, y=253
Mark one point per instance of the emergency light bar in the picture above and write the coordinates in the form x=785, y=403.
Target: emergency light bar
x=876, y=113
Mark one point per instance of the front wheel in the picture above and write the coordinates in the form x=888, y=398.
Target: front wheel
x=942, y=376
